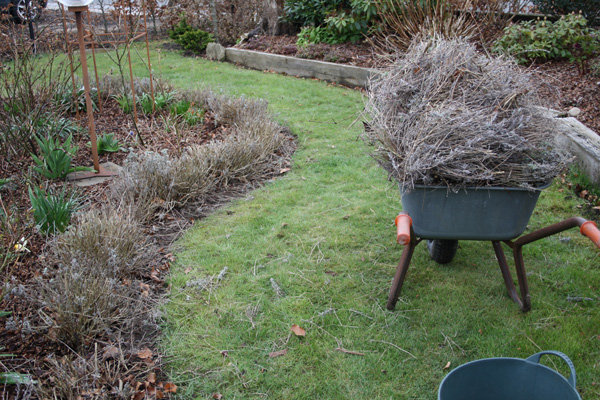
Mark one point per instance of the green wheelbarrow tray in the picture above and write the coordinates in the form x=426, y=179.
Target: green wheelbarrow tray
x=442, y=217
x=484, y=213
x=509, y=379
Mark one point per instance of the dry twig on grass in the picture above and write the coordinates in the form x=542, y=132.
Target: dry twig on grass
x=445, y=114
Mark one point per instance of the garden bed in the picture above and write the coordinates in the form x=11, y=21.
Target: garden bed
x=574, y=89
x=114, y=363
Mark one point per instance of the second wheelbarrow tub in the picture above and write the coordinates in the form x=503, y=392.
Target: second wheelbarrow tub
x=482, y=213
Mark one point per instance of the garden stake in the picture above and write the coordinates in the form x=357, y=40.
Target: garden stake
x=78, y=7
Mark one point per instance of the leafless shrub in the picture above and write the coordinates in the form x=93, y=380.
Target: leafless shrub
x=234, y=17
x=96, y=378
x=86, y=302
x=445, y=114
x=490, y=16
x=406, y=19
x=109, y=237
x=94, y=291
x=153, y=181
x=112, y=86
x=28, y=86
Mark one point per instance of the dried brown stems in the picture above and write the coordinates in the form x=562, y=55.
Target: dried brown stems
x=446, y=114
x=403, y=20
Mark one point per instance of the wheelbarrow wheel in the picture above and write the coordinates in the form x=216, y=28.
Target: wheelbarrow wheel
x=442, y=251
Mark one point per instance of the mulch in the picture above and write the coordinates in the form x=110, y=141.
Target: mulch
x=574, y=89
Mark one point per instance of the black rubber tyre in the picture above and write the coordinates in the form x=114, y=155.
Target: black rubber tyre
x=442, y=251
x=25, y=9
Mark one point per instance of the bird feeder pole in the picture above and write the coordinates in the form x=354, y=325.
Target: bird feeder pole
x=79, y=7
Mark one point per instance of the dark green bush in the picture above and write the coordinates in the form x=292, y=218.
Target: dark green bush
x=568, y=38
x=194, y=40
x=335, y=21
x=179, y=29
x=590, y=9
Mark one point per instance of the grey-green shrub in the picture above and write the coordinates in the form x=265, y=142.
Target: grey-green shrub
x=151, y=182
x=96, y=289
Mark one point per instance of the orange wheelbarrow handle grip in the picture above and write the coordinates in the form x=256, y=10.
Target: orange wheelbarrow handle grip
x=403, y=223
x=590, y=229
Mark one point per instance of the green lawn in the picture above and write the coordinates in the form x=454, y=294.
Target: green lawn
x=324, y=234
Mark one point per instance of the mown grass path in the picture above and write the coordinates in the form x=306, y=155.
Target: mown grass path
x=323, y=233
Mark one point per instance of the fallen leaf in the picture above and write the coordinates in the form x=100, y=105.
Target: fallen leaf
x=188, y=270
x=144, y=353
x=284, y=170
x=298, y=330
x=145, y=289
x=110, y=352
x=217, y=396
x=155, y=278
x=139, y=396
x=159, y=394
x=170, y=387
x=447, y=365
x=279, y=353
x=151, y=377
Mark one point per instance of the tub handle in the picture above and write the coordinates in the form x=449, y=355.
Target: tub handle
x=536, y=359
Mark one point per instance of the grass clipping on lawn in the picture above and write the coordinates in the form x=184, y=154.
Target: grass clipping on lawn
x=445, y=114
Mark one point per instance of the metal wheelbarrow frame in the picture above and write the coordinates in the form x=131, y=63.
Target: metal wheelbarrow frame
x=494, y=214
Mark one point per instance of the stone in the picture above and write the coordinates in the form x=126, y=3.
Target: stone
x=84, y=178
x=573, y=112
x=214, y=51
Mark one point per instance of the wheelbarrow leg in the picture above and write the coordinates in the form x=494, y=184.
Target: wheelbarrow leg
x=522, y=277
x=587, y=228
x=400, y=274
x=508, y=280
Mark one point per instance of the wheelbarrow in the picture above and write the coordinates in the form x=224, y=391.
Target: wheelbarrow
x=497, y=214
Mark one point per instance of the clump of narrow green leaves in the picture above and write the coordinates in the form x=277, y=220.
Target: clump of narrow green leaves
x=161, y=101
x=52, y=211
x=56, y=158
x=188, y=112
x=125, y=102
x=107, y=143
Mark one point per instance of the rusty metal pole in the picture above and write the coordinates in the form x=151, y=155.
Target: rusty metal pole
x=95, y=65
x=70, y=53
x=86, y=83
x=148, y=53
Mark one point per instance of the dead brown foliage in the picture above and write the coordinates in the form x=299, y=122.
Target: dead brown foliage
x=446, y=114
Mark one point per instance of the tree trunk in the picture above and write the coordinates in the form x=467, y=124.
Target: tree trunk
x=213, y=9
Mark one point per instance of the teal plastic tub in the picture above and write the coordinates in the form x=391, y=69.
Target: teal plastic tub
x=486, y=213
x=509, y=379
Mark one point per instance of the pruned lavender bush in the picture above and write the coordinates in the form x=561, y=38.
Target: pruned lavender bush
x=96, y=290
x=153, y=182
x=446, y=114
